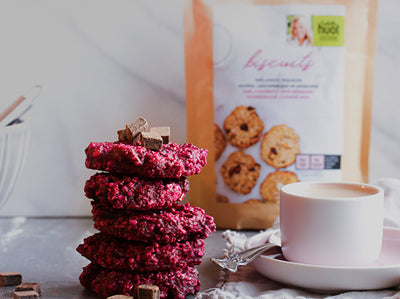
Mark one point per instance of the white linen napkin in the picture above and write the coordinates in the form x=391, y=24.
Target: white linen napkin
x=247, y=283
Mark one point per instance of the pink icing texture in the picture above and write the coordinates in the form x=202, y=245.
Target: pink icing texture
x=171, y=161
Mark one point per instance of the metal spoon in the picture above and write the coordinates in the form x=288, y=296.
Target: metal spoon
x=245, y=257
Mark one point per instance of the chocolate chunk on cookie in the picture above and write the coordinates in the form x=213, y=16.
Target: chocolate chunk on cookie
x=164, y=132
x=219, y=141
x=122, y=135
x=134, y=128
x=270, y=187
x=279, y=146
x=240, y=172
x=243, y=127
x=151, y=140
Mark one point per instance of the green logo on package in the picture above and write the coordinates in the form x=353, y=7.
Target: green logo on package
x=328, y=31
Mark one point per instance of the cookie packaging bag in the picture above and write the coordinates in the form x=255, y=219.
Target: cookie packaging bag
x=278, y=92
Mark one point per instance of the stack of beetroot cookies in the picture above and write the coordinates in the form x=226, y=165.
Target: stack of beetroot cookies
x=146, y=235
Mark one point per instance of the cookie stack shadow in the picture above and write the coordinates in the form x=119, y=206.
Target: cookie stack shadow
x=146, y=236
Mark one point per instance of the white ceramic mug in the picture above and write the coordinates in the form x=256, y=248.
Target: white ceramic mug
x=331, y=223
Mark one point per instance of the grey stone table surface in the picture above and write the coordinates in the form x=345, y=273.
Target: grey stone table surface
x=43, y=250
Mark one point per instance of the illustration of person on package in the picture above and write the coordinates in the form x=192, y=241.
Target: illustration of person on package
x=300, y=31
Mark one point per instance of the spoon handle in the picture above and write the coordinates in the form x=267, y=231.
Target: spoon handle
x=20, y=106
x=9, y=109
x=243, y=258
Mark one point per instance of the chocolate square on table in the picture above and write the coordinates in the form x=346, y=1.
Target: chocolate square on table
x=26, y=295
x=10, y=278
x=147, y=291
x=120, y=297
x=29, y=286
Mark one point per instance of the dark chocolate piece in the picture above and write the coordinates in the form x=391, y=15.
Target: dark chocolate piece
x=164, y=132
x=26, y=295
x=29, y=286
x=134, y=128
x=151, y=141
x=122, y=135
x=10, y=278
x=147, y=291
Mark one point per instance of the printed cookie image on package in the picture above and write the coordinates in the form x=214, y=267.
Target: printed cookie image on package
x=269, y=188
x=279, y=146
x=243, y=127
x=219, y=141
x=240, y=172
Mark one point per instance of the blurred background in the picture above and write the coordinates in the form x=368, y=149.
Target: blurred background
x=104, y=63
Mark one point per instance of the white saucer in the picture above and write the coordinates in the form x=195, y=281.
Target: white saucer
x=384, y=273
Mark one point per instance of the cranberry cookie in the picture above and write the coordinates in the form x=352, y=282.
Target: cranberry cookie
x=181, y=222
x=120, y=254
x=171, y=161
x=135, y=193
x=176, y=283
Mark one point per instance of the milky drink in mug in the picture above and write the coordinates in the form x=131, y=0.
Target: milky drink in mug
x=331, y=223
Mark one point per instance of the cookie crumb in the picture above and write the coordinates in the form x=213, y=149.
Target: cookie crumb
x=120, y=297
x=146, y=291
x=151, y=140
x=164, y=132
x=26, y=295
x=10, y=278
x=29, y=286
x=133, y=129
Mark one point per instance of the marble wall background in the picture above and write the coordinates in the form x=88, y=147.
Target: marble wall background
x=103, y=63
